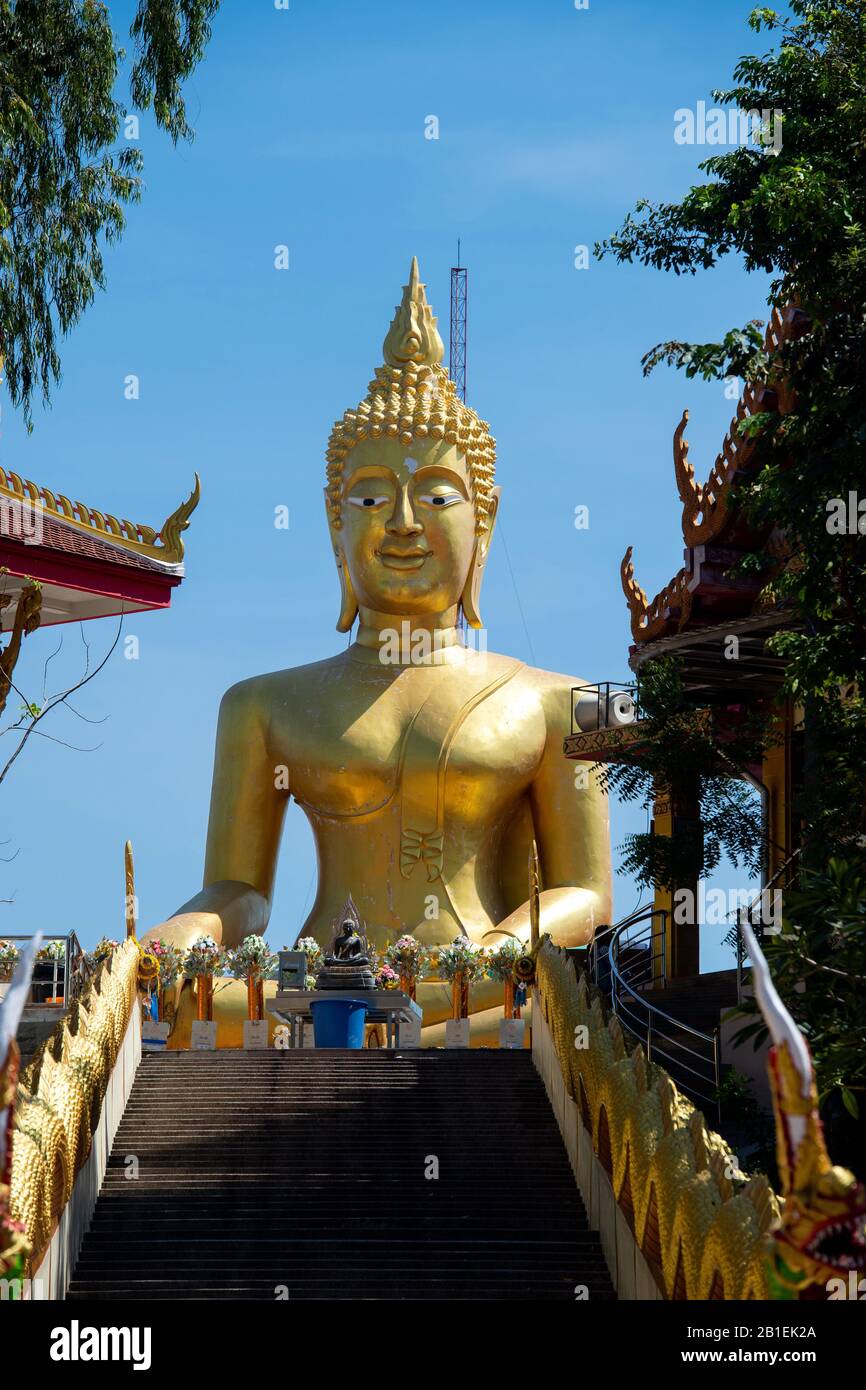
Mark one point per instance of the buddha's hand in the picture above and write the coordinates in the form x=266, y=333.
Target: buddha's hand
x=226, y=911
x=185, y=928
x=569, y=915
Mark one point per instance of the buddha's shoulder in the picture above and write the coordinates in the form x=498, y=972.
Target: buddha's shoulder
x=261, y=693
x=553, y=689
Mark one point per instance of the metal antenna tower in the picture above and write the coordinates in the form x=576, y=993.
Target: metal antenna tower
x=457, y=357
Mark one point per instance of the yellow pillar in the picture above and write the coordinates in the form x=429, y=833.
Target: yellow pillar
x=672, y=816
x=662, y=824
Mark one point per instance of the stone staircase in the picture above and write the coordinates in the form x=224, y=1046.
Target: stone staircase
x=302, y=1175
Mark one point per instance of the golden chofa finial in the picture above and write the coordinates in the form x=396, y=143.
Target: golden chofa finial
x=413, y=335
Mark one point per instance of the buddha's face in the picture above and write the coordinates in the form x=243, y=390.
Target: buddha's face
x=408, y=532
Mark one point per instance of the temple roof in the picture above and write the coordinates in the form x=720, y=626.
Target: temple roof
x=89, y=563
x=705, y=591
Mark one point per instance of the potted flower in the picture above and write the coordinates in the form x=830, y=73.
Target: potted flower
x=170, y=958
x=410, y=959
x=253, y=961
x=500, y=966
x=45, y=975
x=461, y=962
x=203, y=958
x=313, y=951
x=52, y=950
x=101, y=951
x=387, y=978
x=9, y=955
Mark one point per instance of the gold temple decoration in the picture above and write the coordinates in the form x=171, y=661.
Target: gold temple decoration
x=706, y=506
x=413, y=398
x=534, y=895
x=651, y=619
x=129, y=883
x=822, y=1233
x=351, y=914
x=702, y=1231
x=15, y=1245
x=164, y=545
x=413, y=335
x=173, y=527
x=60, y=1093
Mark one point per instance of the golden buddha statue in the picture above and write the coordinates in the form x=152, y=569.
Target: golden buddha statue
x=426, y=767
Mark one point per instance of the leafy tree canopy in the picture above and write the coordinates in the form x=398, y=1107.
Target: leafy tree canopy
x=64, y=179
x=798, y=213
x=680, y=750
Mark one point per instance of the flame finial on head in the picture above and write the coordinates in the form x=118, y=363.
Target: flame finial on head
x=412, y=399
x=413, y=335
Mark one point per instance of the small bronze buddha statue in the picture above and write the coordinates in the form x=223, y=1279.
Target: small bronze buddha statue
x=347, y=966
x=348, y=944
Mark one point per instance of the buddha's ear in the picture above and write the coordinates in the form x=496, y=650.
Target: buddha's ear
x=470, y=597
x=348, y=602
x=493, y=512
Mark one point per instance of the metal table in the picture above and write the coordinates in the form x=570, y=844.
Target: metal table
x=388, y=1006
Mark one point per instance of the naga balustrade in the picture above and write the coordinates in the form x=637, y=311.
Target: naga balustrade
x=629, y=958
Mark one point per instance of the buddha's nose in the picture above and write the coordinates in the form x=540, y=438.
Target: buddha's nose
x=403, y=522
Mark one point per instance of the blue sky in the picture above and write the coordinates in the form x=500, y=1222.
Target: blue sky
x=310, y=133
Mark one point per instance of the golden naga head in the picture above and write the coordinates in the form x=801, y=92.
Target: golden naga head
x=410, y=493
x=822, y=1234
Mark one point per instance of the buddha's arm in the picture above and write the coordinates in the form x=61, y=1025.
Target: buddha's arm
x=246, y=820
x=573, y=837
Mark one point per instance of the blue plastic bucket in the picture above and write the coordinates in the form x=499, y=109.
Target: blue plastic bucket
x=339, y=1022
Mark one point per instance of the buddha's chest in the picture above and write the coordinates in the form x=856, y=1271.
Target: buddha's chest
x=426, y=741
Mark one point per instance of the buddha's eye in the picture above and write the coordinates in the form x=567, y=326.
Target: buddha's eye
x=367, y=501
x=440, y=499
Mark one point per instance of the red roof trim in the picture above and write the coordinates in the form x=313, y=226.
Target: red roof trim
x=90, y=576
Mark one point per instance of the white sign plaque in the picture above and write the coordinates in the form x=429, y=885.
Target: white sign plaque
x=457, y=1032
x=410, y=1033
x=154, y=1035
x=255, y=1032
x=512, y=1032
x=203, y=1038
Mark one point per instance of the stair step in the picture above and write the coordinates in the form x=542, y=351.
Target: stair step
x=306, y=1171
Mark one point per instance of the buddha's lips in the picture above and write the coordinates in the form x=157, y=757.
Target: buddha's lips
x=403, y=559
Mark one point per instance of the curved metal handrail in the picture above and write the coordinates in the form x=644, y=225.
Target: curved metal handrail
x=606, y=934
x=647, y=1022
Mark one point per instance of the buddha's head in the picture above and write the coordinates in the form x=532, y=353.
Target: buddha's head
x=410, y=496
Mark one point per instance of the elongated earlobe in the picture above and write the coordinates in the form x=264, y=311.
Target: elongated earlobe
x=471, y=596
x=348, y=602
x=469, y=599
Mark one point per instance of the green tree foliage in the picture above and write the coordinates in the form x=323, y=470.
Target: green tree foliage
x=799, y=214
x=64, y=179
x=680, y=750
